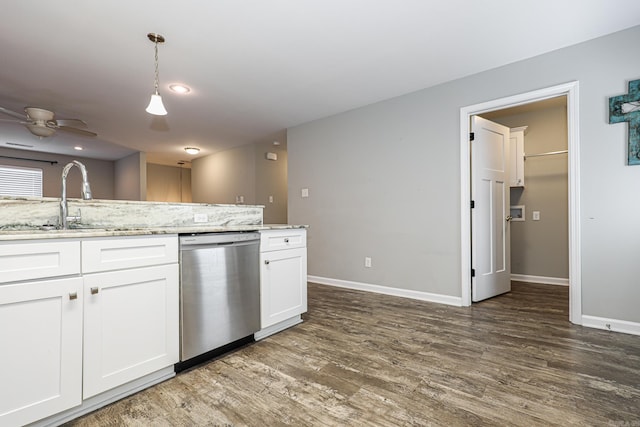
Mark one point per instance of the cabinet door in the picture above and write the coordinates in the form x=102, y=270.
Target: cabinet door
x=130, y=325
x=516, y=172
x=283, y=285
x=41, y=356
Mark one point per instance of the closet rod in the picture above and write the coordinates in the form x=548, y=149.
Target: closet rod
x=550, y=153
x=53, y=162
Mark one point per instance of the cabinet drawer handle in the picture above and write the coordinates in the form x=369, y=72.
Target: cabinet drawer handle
x=266, y=261
x=94, y=291
x=73, y=295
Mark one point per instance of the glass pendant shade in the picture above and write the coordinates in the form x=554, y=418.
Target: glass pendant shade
x=155, y=106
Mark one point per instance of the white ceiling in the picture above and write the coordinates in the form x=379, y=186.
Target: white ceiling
x=257, y=66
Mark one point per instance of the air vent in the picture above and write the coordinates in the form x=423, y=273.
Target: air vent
x=15, y=144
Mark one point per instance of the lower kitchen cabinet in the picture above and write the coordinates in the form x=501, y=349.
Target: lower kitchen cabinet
x=283, y=276
x=41, y=357
x=130, y=325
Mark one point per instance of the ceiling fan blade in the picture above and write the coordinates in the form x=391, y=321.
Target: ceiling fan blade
x=76, y=123
x=78, y=131
x=13, y=114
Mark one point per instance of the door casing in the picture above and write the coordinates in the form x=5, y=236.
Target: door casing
x=570, y=90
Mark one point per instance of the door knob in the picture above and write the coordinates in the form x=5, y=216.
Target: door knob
x=508, y=218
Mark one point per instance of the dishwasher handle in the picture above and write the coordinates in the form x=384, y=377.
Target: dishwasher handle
x=217, y=240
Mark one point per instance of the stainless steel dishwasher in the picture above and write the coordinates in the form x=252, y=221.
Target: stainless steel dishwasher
x=219, y=292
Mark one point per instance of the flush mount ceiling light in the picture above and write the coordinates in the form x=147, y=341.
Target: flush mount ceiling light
x=192, y=150
x=155, y=106
x=179, y=88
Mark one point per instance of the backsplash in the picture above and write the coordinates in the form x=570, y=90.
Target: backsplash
x=17, y=213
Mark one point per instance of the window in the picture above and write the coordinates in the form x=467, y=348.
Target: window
x=17, y=181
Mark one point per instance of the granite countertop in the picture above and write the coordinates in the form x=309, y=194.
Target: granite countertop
x=35, y=233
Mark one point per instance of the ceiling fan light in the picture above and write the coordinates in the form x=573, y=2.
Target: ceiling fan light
x=156, y=107
x=41, y=131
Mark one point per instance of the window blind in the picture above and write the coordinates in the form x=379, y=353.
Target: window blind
x=18, y=181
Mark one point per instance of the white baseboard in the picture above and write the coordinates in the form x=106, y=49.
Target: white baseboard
x=614, y=325
x=540, y=279
x=386, y=290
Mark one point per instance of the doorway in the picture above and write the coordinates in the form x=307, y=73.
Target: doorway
x=570, y=90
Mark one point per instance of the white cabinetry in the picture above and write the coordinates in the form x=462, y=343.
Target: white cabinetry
x=517, y=153
x=283, y=279
x=130, y=309
x=72, y=343
x=40, y=330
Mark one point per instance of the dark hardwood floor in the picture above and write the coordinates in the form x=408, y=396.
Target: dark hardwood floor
x=363, y=359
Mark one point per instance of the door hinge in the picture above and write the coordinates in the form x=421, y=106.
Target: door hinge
x=473, y=272
x=473, y=204
x=472, y=136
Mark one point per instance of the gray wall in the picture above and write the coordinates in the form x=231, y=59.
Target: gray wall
x=168, y=183
x=131, y=177
x=541, y=248
x=271, y=180
x=245, y=171
x=223, y=176
x=384, y=180
x=100, y=173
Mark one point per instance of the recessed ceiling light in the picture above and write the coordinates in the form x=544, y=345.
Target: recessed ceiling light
x=179, y=88
x=192, y=150
x=79, y=148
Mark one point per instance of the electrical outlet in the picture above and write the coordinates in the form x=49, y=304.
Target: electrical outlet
x=304, y=192
x=239, y=199
x=367, y=262
x=270, y=199
x=200, y=218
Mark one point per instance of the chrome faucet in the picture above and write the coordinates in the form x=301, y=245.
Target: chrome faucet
x=86, y=192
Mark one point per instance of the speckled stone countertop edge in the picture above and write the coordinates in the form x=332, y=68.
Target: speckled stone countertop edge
x=31, y=234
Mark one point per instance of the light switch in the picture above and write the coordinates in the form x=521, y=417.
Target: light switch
x=304, y=192
x=536, y=215
x=270, y=199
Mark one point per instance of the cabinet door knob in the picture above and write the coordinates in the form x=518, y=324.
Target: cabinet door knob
x=95, y=290
x=286, y=240
x=266, y=261
x=73, y=295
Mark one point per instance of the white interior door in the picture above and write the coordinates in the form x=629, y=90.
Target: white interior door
x=490, y=220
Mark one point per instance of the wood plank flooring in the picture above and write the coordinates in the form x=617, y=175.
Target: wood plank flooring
x=363, y=359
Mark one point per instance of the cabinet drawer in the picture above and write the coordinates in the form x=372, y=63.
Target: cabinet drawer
x=129, y=252
x=276, y=240
x=38, y=260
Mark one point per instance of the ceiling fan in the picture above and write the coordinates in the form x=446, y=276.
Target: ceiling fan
x=42, y=123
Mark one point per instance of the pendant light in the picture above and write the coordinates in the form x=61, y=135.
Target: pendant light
x=155, y=105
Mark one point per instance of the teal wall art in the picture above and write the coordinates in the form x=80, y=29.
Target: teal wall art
x=626, y=108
